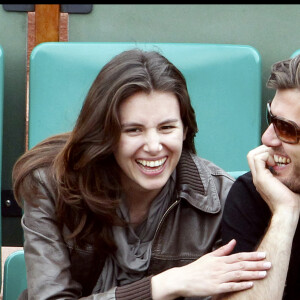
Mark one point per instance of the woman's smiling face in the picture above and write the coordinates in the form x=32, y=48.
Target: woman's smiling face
x=151, y=140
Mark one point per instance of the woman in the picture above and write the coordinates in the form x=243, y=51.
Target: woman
x=121, y=207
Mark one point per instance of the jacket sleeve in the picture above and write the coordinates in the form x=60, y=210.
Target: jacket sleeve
x=48, y=261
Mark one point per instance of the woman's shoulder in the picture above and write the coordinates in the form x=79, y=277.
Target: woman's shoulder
x=41, y=155
x=34, y=169
x=209, y=168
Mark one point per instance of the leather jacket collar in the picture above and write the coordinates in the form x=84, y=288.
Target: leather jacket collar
x=194, y=184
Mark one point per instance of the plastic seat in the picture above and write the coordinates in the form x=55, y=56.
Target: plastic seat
x=14, y=278
x=297, y=52
x=224, y=83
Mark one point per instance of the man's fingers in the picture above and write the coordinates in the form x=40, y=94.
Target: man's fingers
x=259, y=159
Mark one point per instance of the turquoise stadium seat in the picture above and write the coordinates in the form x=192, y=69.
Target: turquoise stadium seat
x=1, y=128
x=297, y=52
x=224, y=82
x=14, y=279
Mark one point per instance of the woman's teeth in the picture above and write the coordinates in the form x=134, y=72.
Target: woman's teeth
x=152, y=163
x=281, y=160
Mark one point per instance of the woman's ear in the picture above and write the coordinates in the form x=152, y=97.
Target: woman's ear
x=185, y=133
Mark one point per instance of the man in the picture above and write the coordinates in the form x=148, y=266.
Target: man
x=263, y=206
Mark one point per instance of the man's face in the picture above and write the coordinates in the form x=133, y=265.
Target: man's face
x=286, y=104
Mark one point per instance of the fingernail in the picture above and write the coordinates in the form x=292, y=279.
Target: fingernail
x=261, y=254
x=249, y=284
x=262, y=273
x=267, y=265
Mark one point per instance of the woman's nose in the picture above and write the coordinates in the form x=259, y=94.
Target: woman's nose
x=152, y=143
x=269, y=138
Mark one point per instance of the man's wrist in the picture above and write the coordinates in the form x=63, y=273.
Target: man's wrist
x=287, y=219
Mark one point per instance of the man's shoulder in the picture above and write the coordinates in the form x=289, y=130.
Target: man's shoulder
x=243, y=193
x=245, y=181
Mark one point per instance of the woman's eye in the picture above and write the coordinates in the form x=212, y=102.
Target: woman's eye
x=167, y=127
x=132, y=130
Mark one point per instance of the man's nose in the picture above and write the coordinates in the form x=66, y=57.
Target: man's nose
x=269, y=138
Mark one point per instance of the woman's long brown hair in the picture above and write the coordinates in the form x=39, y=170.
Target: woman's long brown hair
x=80, y=165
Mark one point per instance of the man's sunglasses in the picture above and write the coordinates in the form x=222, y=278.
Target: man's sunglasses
x=286, y=130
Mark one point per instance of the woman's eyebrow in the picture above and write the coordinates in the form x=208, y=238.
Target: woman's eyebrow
x=132, y=124
x=168, y=121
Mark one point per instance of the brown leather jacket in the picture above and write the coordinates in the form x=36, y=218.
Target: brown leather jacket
x=189, y=229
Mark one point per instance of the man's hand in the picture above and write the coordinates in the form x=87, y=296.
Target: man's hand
x=278, y=197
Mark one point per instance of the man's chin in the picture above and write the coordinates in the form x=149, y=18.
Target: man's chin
x=292, y=182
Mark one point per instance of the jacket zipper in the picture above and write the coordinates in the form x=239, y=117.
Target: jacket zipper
x=163, y=218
